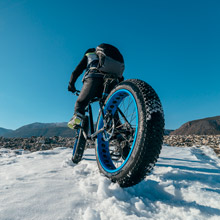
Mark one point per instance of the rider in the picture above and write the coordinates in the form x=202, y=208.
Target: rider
x=97, y=63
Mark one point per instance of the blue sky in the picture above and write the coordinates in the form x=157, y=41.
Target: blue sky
x=172, y=45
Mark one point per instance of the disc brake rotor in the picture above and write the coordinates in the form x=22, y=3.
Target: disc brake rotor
x=110, y=127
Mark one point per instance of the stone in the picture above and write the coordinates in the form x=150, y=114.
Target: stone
x=212, y=141
x=42, y=143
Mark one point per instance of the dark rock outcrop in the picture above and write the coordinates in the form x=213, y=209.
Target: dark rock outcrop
x=206, y=126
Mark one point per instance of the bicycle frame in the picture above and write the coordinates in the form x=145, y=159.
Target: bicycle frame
x=92, y=134
x=91, y=130
x=128, y=134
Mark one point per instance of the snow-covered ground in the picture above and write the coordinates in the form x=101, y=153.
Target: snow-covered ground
x=185, y=184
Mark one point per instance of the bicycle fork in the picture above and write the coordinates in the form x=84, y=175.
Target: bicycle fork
x=93, y=134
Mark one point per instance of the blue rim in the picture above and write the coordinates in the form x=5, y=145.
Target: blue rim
x=104, y=156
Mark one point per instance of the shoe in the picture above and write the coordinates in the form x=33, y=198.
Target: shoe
x=76, y=121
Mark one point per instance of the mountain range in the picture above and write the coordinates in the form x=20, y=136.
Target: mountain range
x=205, y=126
x=4, y=131
x=39, y=129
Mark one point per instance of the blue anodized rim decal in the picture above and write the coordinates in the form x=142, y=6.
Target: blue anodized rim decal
x=102, y=146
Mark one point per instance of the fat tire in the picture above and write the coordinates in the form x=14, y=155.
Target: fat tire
x=149, y=137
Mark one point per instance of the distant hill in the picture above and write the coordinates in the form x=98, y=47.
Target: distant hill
x=41, y=129
x=167, y=131
x=4, y=131
x=205, y=126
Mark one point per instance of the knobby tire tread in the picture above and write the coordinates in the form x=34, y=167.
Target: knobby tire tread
x=150, y=135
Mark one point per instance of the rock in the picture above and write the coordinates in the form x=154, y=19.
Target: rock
x=36, y=143
x=44, y=143
x=212, y=141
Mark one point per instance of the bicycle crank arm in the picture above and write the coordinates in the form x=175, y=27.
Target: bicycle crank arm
x=84, y=134
x=96, y=133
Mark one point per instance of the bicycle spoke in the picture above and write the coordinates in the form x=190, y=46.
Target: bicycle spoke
x=127, y=108
x=133, y=116
x=121, y=136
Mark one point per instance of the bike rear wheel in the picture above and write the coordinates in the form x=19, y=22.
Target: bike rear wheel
x=129, y=147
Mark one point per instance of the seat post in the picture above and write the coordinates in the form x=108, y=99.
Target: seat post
x=110, y=81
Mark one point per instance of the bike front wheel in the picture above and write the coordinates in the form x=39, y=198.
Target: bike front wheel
x=80, y=143
x=129, y=147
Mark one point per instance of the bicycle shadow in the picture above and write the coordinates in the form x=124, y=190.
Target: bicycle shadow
x=179, y=177
x=152, y=191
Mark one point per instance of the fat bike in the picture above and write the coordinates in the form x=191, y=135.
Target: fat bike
x=128, y=134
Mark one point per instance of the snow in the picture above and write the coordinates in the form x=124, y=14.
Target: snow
x=184, y=184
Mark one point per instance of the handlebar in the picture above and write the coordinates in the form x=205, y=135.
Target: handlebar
x=77, y=92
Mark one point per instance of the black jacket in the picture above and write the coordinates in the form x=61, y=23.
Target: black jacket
x=91, y=65
x=80, y=68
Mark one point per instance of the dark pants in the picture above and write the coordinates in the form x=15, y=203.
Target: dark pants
x=92, y=87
